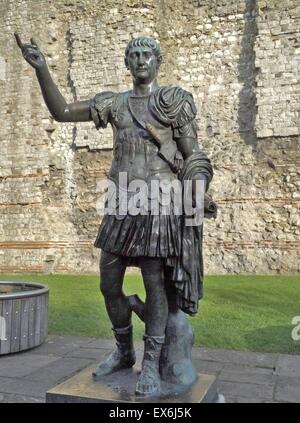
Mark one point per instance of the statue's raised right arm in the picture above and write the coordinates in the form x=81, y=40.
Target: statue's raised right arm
x=78, y=111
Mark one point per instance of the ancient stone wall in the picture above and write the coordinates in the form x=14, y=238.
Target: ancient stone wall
x=239, y=58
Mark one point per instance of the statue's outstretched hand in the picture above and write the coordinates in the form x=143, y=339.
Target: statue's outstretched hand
x=31, y=53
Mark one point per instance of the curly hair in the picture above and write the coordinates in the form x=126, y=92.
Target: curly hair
x=143, y=41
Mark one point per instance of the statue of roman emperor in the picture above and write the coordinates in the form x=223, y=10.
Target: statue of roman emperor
x=155, y=139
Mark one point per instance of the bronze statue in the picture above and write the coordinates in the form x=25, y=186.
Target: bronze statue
x=155, y=139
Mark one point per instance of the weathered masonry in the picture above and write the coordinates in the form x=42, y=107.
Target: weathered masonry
x=241, y=61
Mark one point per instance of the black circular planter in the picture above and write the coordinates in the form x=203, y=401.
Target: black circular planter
x=23, y=315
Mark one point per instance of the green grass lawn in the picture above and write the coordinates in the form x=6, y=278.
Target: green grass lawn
x=248, y=313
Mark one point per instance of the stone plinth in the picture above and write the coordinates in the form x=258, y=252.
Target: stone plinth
x=119, y=387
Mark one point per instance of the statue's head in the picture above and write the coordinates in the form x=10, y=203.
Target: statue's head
x=143, y=58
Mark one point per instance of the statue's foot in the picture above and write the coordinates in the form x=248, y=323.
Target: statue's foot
x=114, y=362
x=149, y=380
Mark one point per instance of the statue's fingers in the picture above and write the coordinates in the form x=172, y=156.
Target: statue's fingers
x=29, y=53
x=33, y=42
x=18, y=39
x=28, y=48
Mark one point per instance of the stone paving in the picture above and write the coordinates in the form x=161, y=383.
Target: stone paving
x=242, y=376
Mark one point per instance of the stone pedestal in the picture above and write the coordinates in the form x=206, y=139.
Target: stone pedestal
x=119, y=387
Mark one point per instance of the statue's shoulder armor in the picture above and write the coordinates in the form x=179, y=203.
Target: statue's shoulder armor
x=100, y=107
x=119, y=100
x=173, y=105
x=105, y=105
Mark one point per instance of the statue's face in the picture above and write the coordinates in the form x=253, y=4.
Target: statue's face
x=143, y=64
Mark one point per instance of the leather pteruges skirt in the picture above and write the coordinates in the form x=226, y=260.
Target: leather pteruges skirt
x=141, y=235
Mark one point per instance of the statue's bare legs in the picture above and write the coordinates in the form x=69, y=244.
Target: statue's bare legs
x=112, y=269
x=156, y=315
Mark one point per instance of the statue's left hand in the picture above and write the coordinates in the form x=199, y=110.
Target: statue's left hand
x=31, y=53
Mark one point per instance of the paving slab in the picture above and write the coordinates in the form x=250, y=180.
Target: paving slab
x=208, y=367
x=61, y=345
x=21, y=386
x=243, y=374
x=21, y=364
x=245, y=400
x=288, y=365
x=61, y=369
x=246, y=390
x=252, y=359
x=287, y=389
x=15, y=398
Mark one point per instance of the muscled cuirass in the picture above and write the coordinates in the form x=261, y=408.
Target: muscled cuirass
x=135, y=150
